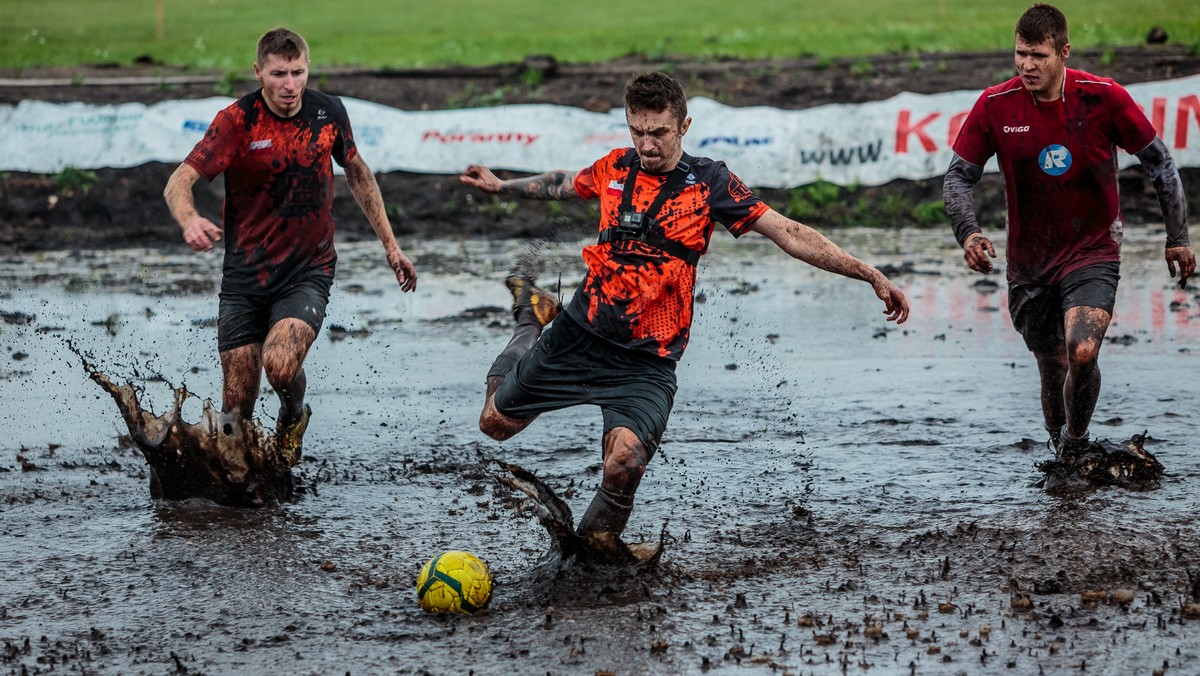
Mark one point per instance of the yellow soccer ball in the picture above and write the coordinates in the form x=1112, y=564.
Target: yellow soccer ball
x=454, y=582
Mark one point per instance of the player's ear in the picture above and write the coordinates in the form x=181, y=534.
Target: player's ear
x=687, y=122
x=1066, y=51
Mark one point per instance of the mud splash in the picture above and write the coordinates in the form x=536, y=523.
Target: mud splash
x=555, y=515
x=229, y=460
x=1128, y=465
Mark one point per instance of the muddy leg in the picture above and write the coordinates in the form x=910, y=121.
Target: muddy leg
x=491, y=421
x=1052, y=366
x=625, y=459
x=283, y=359
x=1085, y=329
x=242, y=370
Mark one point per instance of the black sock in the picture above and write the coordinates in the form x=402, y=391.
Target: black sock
x=525, y=334
x=609, y=512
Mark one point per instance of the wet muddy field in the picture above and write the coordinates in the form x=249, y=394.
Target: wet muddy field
x=839, y=495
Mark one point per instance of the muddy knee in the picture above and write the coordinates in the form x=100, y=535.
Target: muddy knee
x=496, y=428
x=625, y=459
x=281, y=371
x=1083, y=352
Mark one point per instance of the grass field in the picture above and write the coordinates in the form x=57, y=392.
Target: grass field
x=382, y=33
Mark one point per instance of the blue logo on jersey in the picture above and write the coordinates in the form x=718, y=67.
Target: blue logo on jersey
x=1055, y=160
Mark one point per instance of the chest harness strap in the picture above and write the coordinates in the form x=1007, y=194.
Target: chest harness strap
x=643, y=227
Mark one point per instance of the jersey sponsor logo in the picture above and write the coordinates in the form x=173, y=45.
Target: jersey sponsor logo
x=260, y=145
x=1055, y=160
x=321, y=114
x=616, y=188
x=1016, y=130
x=738, y=190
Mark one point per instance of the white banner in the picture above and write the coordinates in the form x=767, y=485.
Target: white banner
x=907, y=136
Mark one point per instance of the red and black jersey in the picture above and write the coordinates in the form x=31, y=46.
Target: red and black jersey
x=1060, y=170
x=278, y=216
x=637, y=295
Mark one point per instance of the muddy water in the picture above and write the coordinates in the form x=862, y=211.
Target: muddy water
x=840, y=495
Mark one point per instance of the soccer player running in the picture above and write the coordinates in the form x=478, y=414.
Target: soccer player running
x=274, y=147
x=617, y=342
x=1055, y=130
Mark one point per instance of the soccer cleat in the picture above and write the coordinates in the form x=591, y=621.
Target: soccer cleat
x=525, y=294
x=289, y=437
x=1070, y=449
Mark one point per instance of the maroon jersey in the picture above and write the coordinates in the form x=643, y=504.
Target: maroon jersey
x=278, y=216
x=637, y=295
x=1060, y=170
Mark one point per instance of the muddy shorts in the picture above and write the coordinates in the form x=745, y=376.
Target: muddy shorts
x=244, y=319
x=570, y=365
x=1037, y=311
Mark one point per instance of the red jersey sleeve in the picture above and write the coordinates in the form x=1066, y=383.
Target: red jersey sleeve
x=214, y=153
x=586, y=180
x=974, y=143
x=1131, y=130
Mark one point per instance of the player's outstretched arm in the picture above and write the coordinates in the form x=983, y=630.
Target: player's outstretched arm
x=370, y=200
x=1163, y=174
x=552, y=185
x=804, y=243
x=199, y=232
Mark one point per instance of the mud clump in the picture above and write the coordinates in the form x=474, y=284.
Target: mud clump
x=1128, y=465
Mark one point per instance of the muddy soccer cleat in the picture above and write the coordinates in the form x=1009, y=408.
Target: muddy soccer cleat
x=1070, y=449
x=289, y=437
x=525, y=294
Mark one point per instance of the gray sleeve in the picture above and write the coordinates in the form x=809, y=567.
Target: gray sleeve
x=957, y=189
x=1160, y=168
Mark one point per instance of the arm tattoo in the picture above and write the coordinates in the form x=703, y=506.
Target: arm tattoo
x=960, y=180
x=554, y=185
x=1161, y=170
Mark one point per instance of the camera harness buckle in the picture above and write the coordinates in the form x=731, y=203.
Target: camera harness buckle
x=649, y=231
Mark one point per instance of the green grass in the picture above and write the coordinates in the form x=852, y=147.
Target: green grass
x=381, y=33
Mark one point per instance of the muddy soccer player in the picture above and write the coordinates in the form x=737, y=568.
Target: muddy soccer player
x=275, y=147
x=1055, y=131
x=617, y=342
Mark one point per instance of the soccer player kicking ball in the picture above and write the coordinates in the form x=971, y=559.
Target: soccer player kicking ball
x=617, y=343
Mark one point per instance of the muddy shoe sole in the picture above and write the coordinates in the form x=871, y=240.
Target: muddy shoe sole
x=526, y=294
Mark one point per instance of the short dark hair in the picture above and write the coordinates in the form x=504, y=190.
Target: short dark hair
x=282, y=42
x=1043, y=22
x=656, y=92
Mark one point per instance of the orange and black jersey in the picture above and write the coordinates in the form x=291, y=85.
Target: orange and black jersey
x=278, y=216
x=637, y=295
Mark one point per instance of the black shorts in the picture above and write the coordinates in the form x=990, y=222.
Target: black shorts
x=570, y=365
x=245, y=319
x=1037, y=311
